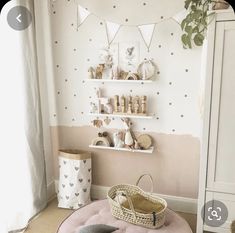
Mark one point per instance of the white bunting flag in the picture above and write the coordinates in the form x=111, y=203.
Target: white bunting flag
x=180, y=16
x=112, y=30
x=146, y=32
x=82, y=14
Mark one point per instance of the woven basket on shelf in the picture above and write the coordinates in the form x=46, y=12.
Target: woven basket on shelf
x=151, y=220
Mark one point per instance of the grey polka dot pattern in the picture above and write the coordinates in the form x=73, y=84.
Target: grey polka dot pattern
x=175, y=85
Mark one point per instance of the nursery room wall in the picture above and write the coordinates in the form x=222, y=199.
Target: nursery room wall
x=174, y=97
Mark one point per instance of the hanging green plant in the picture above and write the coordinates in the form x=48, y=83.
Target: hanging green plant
x=197, y=20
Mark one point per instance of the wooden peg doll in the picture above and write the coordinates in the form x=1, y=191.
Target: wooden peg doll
x=143, y=104
x=116, y=103
x=123, y=104
x=129, y=109
x=136, y=105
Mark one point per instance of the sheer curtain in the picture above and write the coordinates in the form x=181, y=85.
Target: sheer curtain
x=22, y=166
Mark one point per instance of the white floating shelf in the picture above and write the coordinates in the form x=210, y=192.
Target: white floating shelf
x=149, y=151
x=119, y=81
x=121, y=115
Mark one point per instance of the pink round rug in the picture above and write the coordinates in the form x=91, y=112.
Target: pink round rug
x=98, y=212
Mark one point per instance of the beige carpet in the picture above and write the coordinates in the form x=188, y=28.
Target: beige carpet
x=49, y=220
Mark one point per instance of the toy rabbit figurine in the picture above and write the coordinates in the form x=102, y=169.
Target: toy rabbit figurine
x=118, y=139
x=91, y=73
x=129, y=141
x=109, y=107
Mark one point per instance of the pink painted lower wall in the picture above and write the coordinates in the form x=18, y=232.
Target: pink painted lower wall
x=174, y=165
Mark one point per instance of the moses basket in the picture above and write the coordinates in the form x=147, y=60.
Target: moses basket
x=128, y=212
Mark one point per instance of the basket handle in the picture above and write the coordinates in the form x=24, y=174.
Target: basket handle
x=151, y=180
x=129, y=202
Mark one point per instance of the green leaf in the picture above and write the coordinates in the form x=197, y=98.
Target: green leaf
x=196, y=29
x=187, y=4
x=189, y=39
x=184, y=39
x=189, y=29
x=183, y=23
x=198, y=39
x=193, y=8
x=196, y=22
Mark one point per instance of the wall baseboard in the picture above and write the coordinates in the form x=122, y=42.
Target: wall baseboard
x=180, y=204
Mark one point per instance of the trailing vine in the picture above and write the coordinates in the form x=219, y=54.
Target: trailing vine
x=196, y=22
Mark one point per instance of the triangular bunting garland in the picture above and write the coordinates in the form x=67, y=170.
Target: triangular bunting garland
x=82, y=14
x=111, y=30
x=146, y=32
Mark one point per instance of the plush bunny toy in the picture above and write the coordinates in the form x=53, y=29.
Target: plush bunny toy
x=118, y=139
x=129, y=141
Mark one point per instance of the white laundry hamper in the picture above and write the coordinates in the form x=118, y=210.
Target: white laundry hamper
x=74, y=179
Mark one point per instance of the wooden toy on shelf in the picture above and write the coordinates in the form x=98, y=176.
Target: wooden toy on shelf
x=129, y=140
x=136, y=145
x=136, y=105
x=97, y=123
x=103, y=139
x=145, y=141
x=129, y=109
x=104, y=104
x=132, y=76
x=123, y=104
x=108, y=107
x=99, y=71
x=123, y=75
x=91, y=73
x=120, y=106
x=118, y=139
x=116, y=104
x=115, y=73
x=144, y=104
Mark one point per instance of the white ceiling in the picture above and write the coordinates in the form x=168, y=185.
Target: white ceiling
x=136, y=11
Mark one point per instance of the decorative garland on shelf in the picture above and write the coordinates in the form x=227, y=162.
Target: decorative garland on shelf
x=112, y=29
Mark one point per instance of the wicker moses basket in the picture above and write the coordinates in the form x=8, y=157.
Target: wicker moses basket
x=131, y=204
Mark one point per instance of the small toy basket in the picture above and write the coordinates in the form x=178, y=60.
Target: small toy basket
x=128, y=212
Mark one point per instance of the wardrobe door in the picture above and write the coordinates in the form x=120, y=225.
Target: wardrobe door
x=221, y=159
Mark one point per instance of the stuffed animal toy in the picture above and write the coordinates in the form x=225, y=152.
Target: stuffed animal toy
x=91, y=73
x=118, y=139
x=108, y=107
x=129, y=140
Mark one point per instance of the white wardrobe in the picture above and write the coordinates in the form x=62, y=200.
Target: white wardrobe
x=217, y=166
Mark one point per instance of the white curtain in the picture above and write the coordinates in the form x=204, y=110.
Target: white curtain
x=22, y=166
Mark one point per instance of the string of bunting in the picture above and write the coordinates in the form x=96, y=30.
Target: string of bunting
x=112, y=29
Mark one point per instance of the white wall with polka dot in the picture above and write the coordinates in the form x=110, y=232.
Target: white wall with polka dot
x=173, y=97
